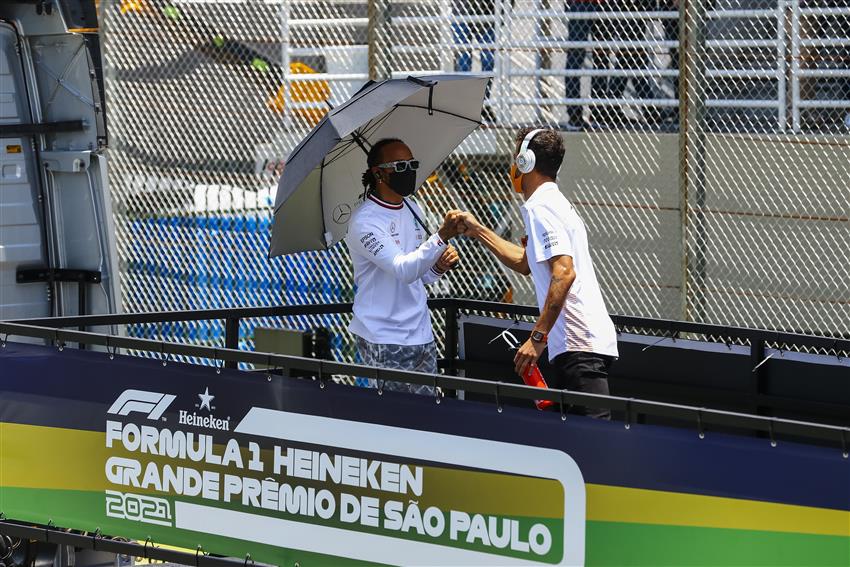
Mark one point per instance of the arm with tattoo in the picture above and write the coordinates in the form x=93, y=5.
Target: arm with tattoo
x=563, y=276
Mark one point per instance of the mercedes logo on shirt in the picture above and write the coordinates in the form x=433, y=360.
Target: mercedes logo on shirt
x=342, y=213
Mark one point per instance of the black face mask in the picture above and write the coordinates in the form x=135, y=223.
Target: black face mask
x=403, y=183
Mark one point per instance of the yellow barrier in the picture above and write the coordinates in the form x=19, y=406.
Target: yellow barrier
x=301, y=92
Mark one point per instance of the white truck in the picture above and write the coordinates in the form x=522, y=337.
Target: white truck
x=57, y=250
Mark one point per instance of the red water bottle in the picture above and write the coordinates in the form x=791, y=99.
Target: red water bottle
x=533, y=377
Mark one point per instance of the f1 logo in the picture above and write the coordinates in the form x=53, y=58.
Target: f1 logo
x=153, y=404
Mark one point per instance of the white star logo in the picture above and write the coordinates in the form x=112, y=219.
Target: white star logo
x=206, y=398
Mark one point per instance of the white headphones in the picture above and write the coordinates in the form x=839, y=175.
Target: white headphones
x=526, y=159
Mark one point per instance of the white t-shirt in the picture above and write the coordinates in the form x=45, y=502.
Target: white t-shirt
x=393, y=260
x=555, y=229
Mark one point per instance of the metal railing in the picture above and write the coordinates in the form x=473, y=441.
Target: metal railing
x=54, y=330
x=232, y=316
x=505, y=19
x=798, y=72
x=56, y=535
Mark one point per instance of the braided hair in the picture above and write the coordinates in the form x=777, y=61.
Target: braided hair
x=373, y=159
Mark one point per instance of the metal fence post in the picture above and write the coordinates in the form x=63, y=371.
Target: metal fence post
x=757, y=359
x=540, y=28
x=451, y=338
x=692, y=150
x=447, y=55
x=781, y=56
x=684, y=80
x=231, y=338
x=503, y=60
x=378, y=39
x=285, y=46
x=795, y=66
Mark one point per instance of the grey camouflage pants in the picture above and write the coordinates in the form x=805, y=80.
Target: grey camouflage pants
x=417, y=358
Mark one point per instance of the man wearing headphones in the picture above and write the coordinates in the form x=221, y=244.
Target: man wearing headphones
x=573, y=322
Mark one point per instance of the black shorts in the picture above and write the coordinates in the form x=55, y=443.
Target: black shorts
x=583, y=372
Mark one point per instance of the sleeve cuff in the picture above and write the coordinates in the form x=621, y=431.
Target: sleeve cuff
x=547, y=254
x=437, y=240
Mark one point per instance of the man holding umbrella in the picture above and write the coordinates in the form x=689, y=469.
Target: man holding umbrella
x=394, y=257
x=320, y=201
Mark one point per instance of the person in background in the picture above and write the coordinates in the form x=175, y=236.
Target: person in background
x=483, y=32
x=474, y=32
x=574, y=323
x=625, y=59
x=833, y=60
x=635, y=59
x=580, y=29
x=394, y=257
x=670, y=26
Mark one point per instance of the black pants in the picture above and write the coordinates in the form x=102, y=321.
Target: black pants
x=583, y=372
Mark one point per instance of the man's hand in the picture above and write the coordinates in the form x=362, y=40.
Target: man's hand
x=468, y=225
x=509, y=254
x=447, y=260
x=527, y=356
x=449, y=229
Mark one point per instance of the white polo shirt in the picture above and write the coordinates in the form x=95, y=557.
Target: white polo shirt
x=555, y=229
x=393, y=260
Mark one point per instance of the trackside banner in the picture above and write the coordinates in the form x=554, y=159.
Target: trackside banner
x=328, y=485
x=288, y=471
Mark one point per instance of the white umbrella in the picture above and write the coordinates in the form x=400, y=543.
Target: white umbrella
x=321, y=182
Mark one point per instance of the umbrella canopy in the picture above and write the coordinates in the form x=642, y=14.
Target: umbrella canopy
x=321, y=182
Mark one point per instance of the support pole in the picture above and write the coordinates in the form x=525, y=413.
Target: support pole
x=285, y=46
x=502, y=61
x=781, y=69
x=795, y=66
x=451, y=339
x=447, y=56
x=692, y=150
x=378, y=39
x=759, y=372
x=231, y=338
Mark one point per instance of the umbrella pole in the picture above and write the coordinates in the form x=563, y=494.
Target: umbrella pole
x=360, y=141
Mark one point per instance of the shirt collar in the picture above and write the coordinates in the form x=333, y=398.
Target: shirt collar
x=377, y=200
x=540, y=192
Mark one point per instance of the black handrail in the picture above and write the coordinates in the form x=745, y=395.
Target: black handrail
x=670, y=325
x=188, y=315
x=238, y=313
x=98, y=542
x=321, y=368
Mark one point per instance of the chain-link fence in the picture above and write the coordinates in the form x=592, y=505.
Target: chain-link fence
x=728, y=204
